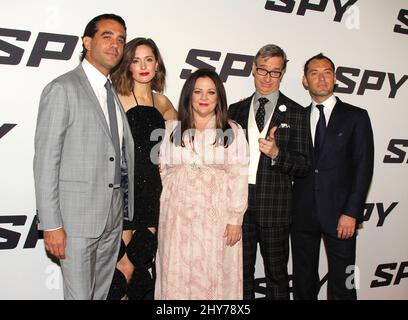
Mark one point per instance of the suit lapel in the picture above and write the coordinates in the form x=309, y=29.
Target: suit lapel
x=334, y=127
x=94, y=103
x=278, y=116
x=126, y=129
x=309, y=133
x=243, y=114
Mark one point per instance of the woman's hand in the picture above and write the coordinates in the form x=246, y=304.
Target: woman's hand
x=232, y=234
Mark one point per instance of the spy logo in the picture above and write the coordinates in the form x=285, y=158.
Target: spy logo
x=5, y=128
x=382, y=211
x=370, y=80
x=195, y=58
x=397, y=153
x=287, y=6
x=385, y=274
x=40, y=49
x=10, y=238
x=402, y=17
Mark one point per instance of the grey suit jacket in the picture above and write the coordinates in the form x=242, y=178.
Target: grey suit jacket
x=73, y=170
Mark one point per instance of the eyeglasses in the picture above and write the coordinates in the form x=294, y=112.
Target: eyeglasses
x=272, y=73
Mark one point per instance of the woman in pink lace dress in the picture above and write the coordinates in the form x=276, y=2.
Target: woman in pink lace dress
x=204, y=197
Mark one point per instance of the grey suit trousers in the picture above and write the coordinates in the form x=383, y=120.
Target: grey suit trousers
x=89, y=263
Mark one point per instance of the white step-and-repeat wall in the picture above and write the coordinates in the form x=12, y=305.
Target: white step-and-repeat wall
x=367, y=40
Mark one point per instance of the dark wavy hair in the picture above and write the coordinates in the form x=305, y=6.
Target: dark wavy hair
x=92, y=28
x=225, y=136
x=121, y=75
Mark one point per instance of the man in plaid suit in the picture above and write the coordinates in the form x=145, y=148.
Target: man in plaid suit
x=276, y=129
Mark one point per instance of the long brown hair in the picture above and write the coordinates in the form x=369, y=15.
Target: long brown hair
x=122, y=77
x=186, y=116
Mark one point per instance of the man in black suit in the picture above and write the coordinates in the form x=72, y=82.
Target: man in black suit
x=329, y=202
x=276, y=130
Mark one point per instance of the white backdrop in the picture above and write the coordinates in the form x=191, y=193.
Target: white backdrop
x=369, y=43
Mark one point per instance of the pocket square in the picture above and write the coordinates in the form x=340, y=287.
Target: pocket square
x=340, y=134
x=284, y=125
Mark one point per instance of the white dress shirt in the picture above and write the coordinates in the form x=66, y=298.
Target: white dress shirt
x=253, y=136
x=98, y=80
x=329, y=104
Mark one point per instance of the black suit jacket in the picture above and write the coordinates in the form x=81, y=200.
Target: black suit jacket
x=272, y=203
x=339, y=180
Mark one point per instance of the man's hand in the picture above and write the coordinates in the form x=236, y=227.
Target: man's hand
x=268, y=146
x=55, y=242
x=233, y=234
x=346, y=227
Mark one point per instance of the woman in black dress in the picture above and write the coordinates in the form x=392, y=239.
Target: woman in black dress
x=139, y=80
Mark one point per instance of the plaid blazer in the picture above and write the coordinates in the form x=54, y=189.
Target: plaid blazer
x=271, y=204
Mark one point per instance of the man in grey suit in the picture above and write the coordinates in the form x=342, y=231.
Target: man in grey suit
x=83, y=161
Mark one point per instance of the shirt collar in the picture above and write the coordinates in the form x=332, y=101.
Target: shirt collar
x=329, y=103
x=95, y=77
x=272, y=97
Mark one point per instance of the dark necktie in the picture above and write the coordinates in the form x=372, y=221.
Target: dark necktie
x=260, y=113
x=320, y=131
x=113, y=123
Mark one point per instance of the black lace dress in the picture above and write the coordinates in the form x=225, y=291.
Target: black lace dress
x=143, y=120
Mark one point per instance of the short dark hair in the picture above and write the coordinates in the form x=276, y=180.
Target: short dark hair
x=92, y=27
x=272, y=50
x=319, y=56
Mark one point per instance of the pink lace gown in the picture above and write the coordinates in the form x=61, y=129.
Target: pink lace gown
x=204, y=189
